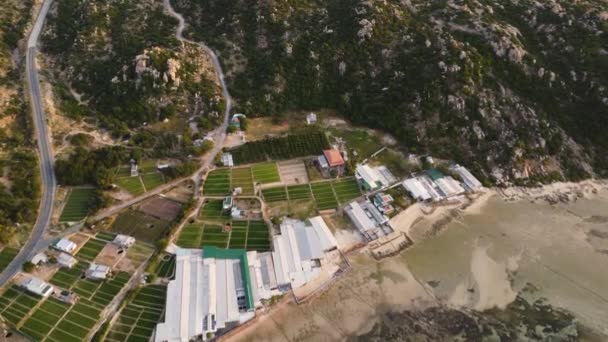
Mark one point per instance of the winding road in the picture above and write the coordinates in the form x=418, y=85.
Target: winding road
x=44, y=150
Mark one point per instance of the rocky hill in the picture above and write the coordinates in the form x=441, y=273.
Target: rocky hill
x=117, y=62
x=517, y=89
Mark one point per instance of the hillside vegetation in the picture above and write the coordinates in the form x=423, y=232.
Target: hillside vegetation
x=517, y=89
x=19, y=178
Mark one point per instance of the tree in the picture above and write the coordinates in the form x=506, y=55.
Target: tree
x=28, y=267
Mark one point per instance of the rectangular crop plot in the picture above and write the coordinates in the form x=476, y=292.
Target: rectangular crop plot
x=16, y=304
x=242, y=178
x=324, y=195
x=152, y=180
x=213, y=210
x=132, y=184
x=138, y=319
x=217, y=183
x=346, y=190
x=6, y=256
x=108, y=237
x=264, y=173
x=77, y=205
x=139, y=225
x=190, y=236
x=66, y=277
x=296, y=192
x=214, y=236
x=258, y=236
x=275, y=194
x=90, y=250
x=166, y=266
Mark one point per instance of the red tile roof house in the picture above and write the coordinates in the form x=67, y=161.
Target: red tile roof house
x=331, y=163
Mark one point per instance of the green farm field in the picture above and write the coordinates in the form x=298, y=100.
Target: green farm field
x=250, y=235
x=77, y=205
x=264, y=173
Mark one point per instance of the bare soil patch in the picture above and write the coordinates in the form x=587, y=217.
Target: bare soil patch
x=293, y=172
x=161, y=208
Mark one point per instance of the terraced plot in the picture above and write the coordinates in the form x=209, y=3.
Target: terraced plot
x=90, y=249
x=213, y=211
x=258, y=236
x=242, y=178
x=66, y=277
x=132, y=184
x=250, y=235
x=213, y=235
x=217, y=183
x=296, y=192
x=6, y=256
x=275, y=194
x=15, y=304
x=77, y=205
x=138, y=319
x=190, y=236
x=77, y=324
x=108, y=237
x=324, y=195
x=346, y=190
x=265, y=173
x=152, y=180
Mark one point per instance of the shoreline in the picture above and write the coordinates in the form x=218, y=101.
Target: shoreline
x=420, y=222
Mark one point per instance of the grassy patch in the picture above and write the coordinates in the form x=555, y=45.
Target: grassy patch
x=132, y=184
x=152, y=180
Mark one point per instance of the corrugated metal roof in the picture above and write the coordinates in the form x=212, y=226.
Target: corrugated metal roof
x=334, y=158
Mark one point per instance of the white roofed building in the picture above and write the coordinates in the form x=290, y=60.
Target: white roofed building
x=227, y=159
x=125, y=241
x=449, y=186
x=211, y=290
x=37, y=286
x=370, y=222
x=66, y=260
x=470, y=182
x=300, y=251
x=65, y=245
x=97, y=271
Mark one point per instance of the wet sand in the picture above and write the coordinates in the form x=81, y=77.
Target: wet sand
x=481, y=260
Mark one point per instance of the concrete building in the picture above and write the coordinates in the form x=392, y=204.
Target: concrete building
x=449, y=186
x=311, y=118
x=134, y=167
x=300, y=251
x=370, y=222
x=470, y=182
x=37, y=287
x=422, y=188
x=227, y=203
x=66, y=260
x=227, y=159
x=97, y=271
x=263, y=277
x=64, y=245
x=124, y=241
x=331, y=163
x=373, y=178
x=211, y=291
x=40, y=258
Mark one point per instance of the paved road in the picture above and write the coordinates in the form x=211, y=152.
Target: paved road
x=44, y=148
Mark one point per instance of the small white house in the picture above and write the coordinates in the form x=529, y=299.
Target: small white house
x=65, y=245
x=124, y=241
x=66, y=260
x=311, y=118
x=134, y=167
x=97, y=271
x=38, y=287
x=40, y=258
x=227, y=159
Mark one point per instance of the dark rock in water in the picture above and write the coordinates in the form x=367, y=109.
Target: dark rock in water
x=519, y=321
x=433, y=283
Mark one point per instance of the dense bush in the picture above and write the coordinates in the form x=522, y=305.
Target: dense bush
x=290, y=146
